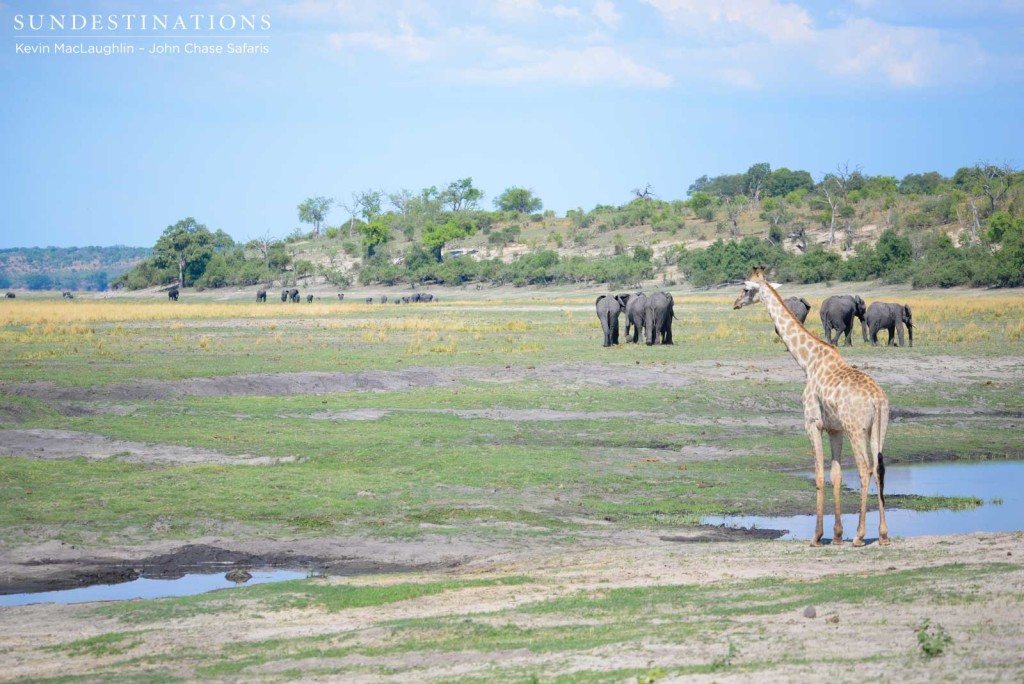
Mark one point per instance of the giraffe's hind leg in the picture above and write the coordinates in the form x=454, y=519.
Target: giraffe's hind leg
x=812, y=422
x=836, y=443
x=857, y=441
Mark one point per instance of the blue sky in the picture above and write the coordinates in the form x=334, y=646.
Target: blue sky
x=579, y=100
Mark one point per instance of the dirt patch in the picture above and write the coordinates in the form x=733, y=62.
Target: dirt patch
x=889, y=370
x=59, y=444
x=501, y=414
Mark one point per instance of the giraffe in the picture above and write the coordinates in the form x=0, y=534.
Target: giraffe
x=839, y=400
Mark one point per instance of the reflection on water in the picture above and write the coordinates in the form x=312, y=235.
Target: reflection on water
x=990, y=481
x=143, y=588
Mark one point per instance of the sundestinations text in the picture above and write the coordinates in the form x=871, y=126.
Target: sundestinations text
x=141, y=22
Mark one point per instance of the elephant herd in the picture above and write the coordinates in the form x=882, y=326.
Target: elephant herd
x=650, y=315
x=837, y=314
x=292, y=295
x=653, y=315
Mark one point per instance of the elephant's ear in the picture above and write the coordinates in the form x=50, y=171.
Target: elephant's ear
x=805, y=303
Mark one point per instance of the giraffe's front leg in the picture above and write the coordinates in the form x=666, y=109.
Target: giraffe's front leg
x=812, y=421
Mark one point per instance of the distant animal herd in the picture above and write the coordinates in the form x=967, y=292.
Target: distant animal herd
x=651, y=316
x=293, y=295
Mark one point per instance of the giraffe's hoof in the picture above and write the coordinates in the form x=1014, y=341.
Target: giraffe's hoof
x=858, y=542
x=883, y=540
x=837, y=541
x=816, y=542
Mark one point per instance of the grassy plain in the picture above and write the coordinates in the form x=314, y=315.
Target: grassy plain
x=490, y=416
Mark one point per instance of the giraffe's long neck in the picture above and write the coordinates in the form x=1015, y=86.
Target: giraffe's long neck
x=802, y=345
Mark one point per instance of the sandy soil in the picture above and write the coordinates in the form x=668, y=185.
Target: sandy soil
x=875, y=640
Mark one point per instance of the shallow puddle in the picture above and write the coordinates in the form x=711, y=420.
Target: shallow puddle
x=143, y=588
x=999, y=484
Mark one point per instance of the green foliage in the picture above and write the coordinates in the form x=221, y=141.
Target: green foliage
x=519, y=200
x=700, y=200
x=375, y=234
x=722, y=261
x=435, y=237
x=933, y=640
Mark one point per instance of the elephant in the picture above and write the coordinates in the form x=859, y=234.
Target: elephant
x=658, y=315
x=67, y=294
x=406, y=299
x=383, y=299
x=341, y=296
x=261, y=296
x=883, y=316
x=369, y=300
x=172, y=294
x=309, y=299
x=284, y=295
x=635, y=316
x=837, y=313
x=11, y=295
x=799, y=307
x=608, y=309
x=293, y=294
x=426, y=297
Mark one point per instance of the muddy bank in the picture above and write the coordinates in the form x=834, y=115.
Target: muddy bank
x=57, y=565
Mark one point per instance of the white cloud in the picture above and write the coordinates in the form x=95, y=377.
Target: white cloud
x=902, y=56
x=737, y=20
x=606, y=13
x=591, y=66
x=404, y=44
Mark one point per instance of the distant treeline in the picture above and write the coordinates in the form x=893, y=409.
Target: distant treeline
x=806, y=230
x=66, y=268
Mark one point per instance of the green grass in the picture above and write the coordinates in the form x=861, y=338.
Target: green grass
x=427, y=462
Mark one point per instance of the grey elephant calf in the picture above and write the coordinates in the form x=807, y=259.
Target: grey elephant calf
x=884, y=316
x=608, y=309
x=837, y=314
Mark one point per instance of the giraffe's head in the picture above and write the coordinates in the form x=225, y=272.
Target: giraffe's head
x=751, y=288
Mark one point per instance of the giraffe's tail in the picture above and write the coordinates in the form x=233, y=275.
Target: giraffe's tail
x=880, y=460
x=881, y=478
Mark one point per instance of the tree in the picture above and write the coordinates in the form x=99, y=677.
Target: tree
x=314, y=210
x=375, y=233
x=756, y=179
x=830, y=188
x=646, y=194
x=435, y=237
x=520, y=200
x=461, y=195
x=369, y=203
x=185, y=244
